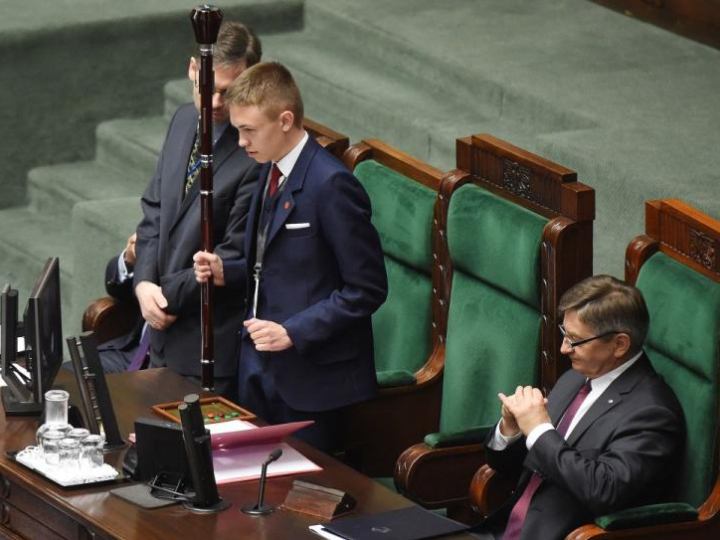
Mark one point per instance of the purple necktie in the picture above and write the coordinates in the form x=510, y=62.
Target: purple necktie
x=140, y=352
x=519, y=511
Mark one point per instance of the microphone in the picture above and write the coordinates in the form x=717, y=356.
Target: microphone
x=262, y=509
x=274, y=456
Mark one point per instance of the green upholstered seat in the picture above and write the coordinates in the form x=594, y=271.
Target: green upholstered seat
x=403, y=216
x=493, y=332
x=683, y=346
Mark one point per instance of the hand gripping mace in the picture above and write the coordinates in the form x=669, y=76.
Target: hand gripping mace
x=206, y=21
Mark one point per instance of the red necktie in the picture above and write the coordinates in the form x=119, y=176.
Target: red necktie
x=519, y=511
x=275, y=175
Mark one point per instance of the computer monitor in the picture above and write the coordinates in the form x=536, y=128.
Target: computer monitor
x=43, y=329
x=9, y=326
x=43, y=344
x=16, y=380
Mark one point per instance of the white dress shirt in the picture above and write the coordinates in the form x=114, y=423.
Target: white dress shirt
x=287, y=163
x=123, y=273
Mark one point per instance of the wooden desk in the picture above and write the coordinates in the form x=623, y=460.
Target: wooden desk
x=35, y=509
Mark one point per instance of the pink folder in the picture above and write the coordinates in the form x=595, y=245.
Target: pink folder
x=240, y=448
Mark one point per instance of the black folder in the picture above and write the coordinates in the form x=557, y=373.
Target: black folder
x=413, y=523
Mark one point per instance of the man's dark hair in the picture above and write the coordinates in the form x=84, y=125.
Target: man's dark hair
x=607, y=304
x=235, y=43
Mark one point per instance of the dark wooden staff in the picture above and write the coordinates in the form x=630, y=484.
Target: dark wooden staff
x=206, y=21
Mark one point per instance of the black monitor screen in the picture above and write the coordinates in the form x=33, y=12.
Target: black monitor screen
x=8, y=338
x=43, y=329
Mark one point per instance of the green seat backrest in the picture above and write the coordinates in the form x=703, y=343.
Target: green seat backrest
x=683, y=346
x=493, y=333
x=403, y=216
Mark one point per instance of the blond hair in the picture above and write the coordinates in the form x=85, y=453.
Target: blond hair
x=607, y=305
x=270, y=87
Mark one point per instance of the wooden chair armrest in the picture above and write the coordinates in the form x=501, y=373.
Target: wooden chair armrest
x=439, y=477
x=379, y=430
x=490, y=489
x=675, y=531
x=107, y=318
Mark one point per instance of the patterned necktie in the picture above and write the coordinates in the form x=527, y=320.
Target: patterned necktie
x=519, y=511
x=275, y=175
x=193, y=168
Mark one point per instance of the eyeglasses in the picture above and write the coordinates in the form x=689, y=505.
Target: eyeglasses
x=579, y=342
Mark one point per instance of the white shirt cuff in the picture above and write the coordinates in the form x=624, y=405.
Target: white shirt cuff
x=536, y=432
x=500, y=441
x=123, y=274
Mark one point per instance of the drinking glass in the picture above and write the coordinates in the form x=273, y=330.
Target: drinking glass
x=69, y=454
x=78, y=434
x=65, y=428
x=92, y=451
x=51, y=446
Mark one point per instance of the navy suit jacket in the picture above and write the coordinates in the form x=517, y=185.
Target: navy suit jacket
x=617, y=456
x=323, y=277
x=169, y=235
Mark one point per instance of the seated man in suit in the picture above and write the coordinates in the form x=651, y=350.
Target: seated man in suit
x=313, y=268
x=123, y=353
x=606, y=437
x=169, y=233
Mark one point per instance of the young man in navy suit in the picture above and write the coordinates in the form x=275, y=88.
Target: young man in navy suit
x=313, y=268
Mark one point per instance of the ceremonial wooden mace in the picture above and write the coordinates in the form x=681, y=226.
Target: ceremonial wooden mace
x=206, y=21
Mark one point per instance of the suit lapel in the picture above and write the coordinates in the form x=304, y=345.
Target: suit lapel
x=611, y=397
x=174, y=191
x=294, y=184
x=224, y=148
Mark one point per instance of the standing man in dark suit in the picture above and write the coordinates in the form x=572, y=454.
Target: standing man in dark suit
x=169, y=233
x=608, y=434
x=313, y=267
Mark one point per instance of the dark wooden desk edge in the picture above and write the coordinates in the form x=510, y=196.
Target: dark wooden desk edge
x=372, y=497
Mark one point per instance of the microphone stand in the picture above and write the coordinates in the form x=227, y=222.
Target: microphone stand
x=262, y=509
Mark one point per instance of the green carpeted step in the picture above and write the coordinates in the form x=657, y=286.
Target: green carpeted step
x=100, y=231
x=622, y=183
x=132, y=145
x=630, y=107
x=55, y=189
x=105, y=60
x=177, y=92
x=34, y=237
x=411, y=40
x=362, y=101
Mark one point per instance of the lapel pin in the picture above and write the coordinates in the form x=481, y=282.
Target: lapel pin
x=610, y=401
x=287, y=205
